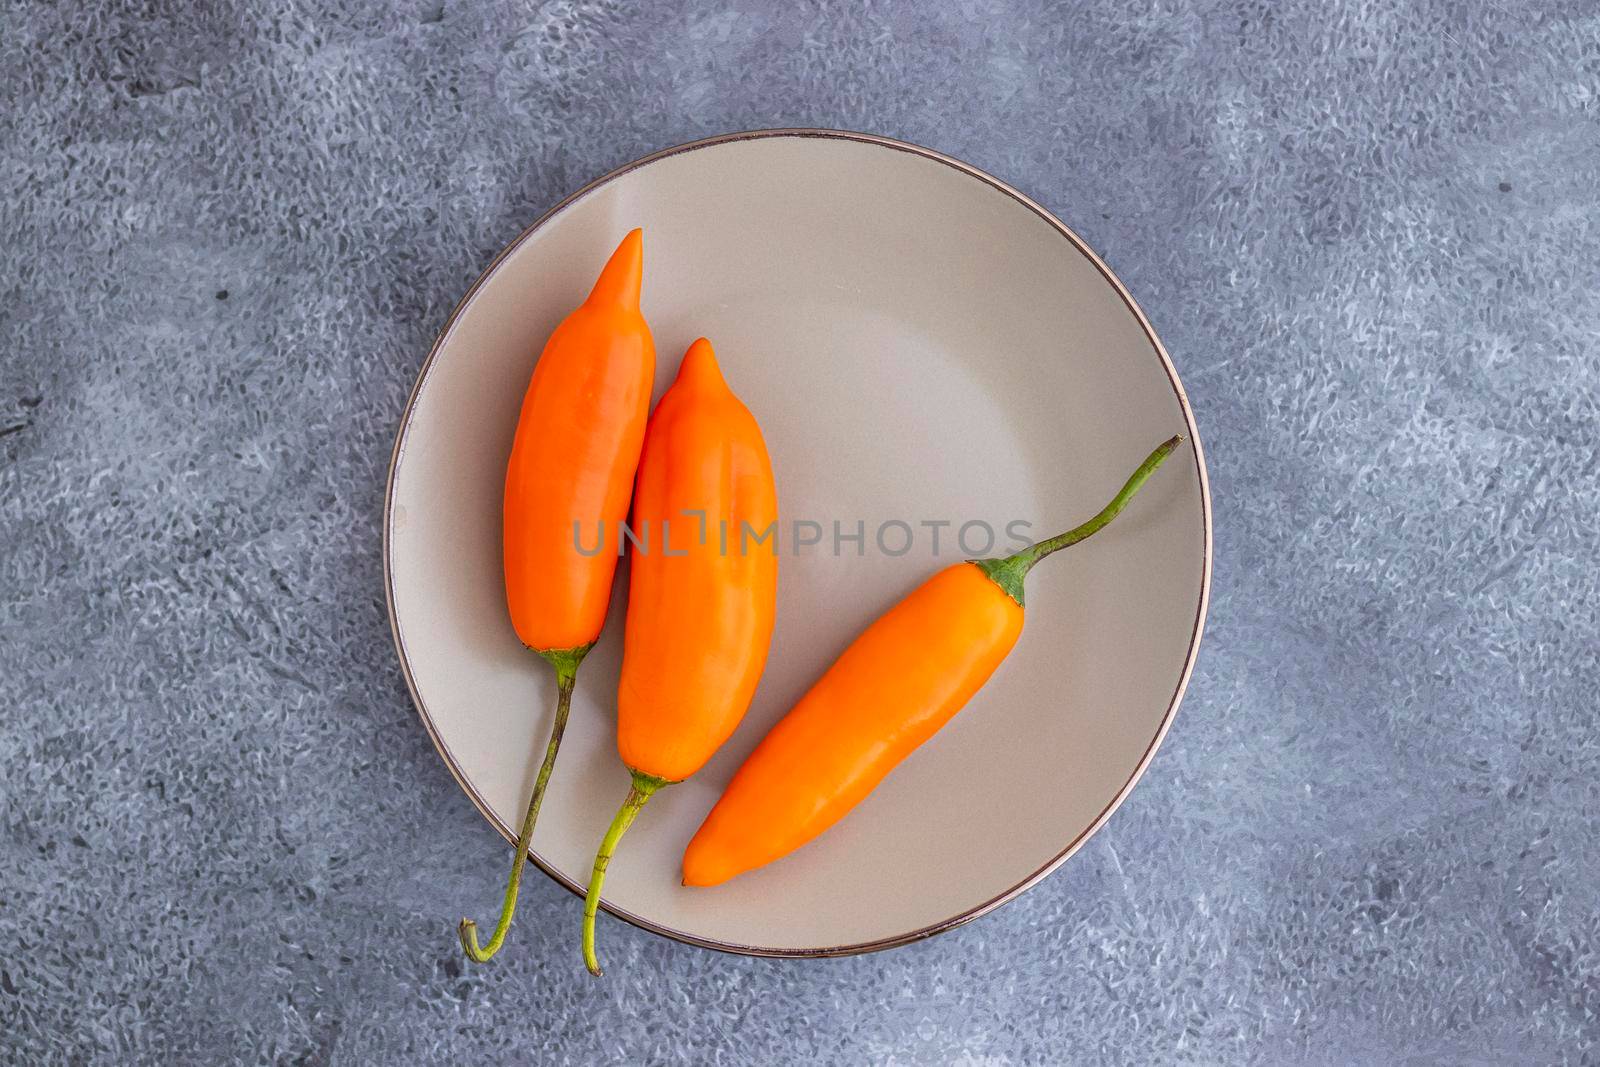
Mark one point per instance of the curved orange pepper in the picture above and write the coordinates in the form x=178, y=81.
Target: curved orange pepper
x=568, y=481
x=572, y=463
x=701, y=596
x=902, y=679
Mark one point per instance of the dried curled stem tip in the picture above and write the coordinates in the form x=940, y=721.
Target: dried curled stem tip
x=469, y=941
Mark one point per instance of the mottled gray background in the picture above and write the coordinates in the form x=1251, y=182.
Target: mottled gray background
x=1366, y=231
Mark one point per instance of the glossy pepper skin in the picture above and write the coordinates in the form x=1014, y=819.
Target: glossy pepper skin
x=568, y=482
x=901, y=680
x=702, y=591
x=574, y=457
x=699, y=623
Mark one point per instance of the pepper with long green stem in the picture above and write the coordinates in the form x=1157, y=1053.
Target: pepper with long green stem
x=700, y=614
x=896, y=685
x=570, y=476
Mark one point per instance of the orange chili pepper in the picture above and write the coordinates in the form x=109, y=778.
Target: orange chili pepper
x=702, y=593
x=571, y=472
x=902, y=679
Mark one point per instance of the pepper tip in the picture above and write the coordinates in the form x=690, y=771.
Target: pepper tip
x=622, y=277
x=700, y=364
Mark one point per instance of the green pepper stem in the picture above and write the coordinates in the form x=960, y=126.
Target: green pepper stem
x=565, y=661
x=642, y=789
x=1008, y=572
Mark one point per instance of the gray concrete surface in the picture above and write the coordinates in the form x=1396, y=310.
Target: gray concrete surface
x=1367, y=232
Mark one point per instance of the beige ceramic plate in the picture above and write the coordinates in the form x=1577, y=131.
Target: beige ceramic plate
x=920, y=343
